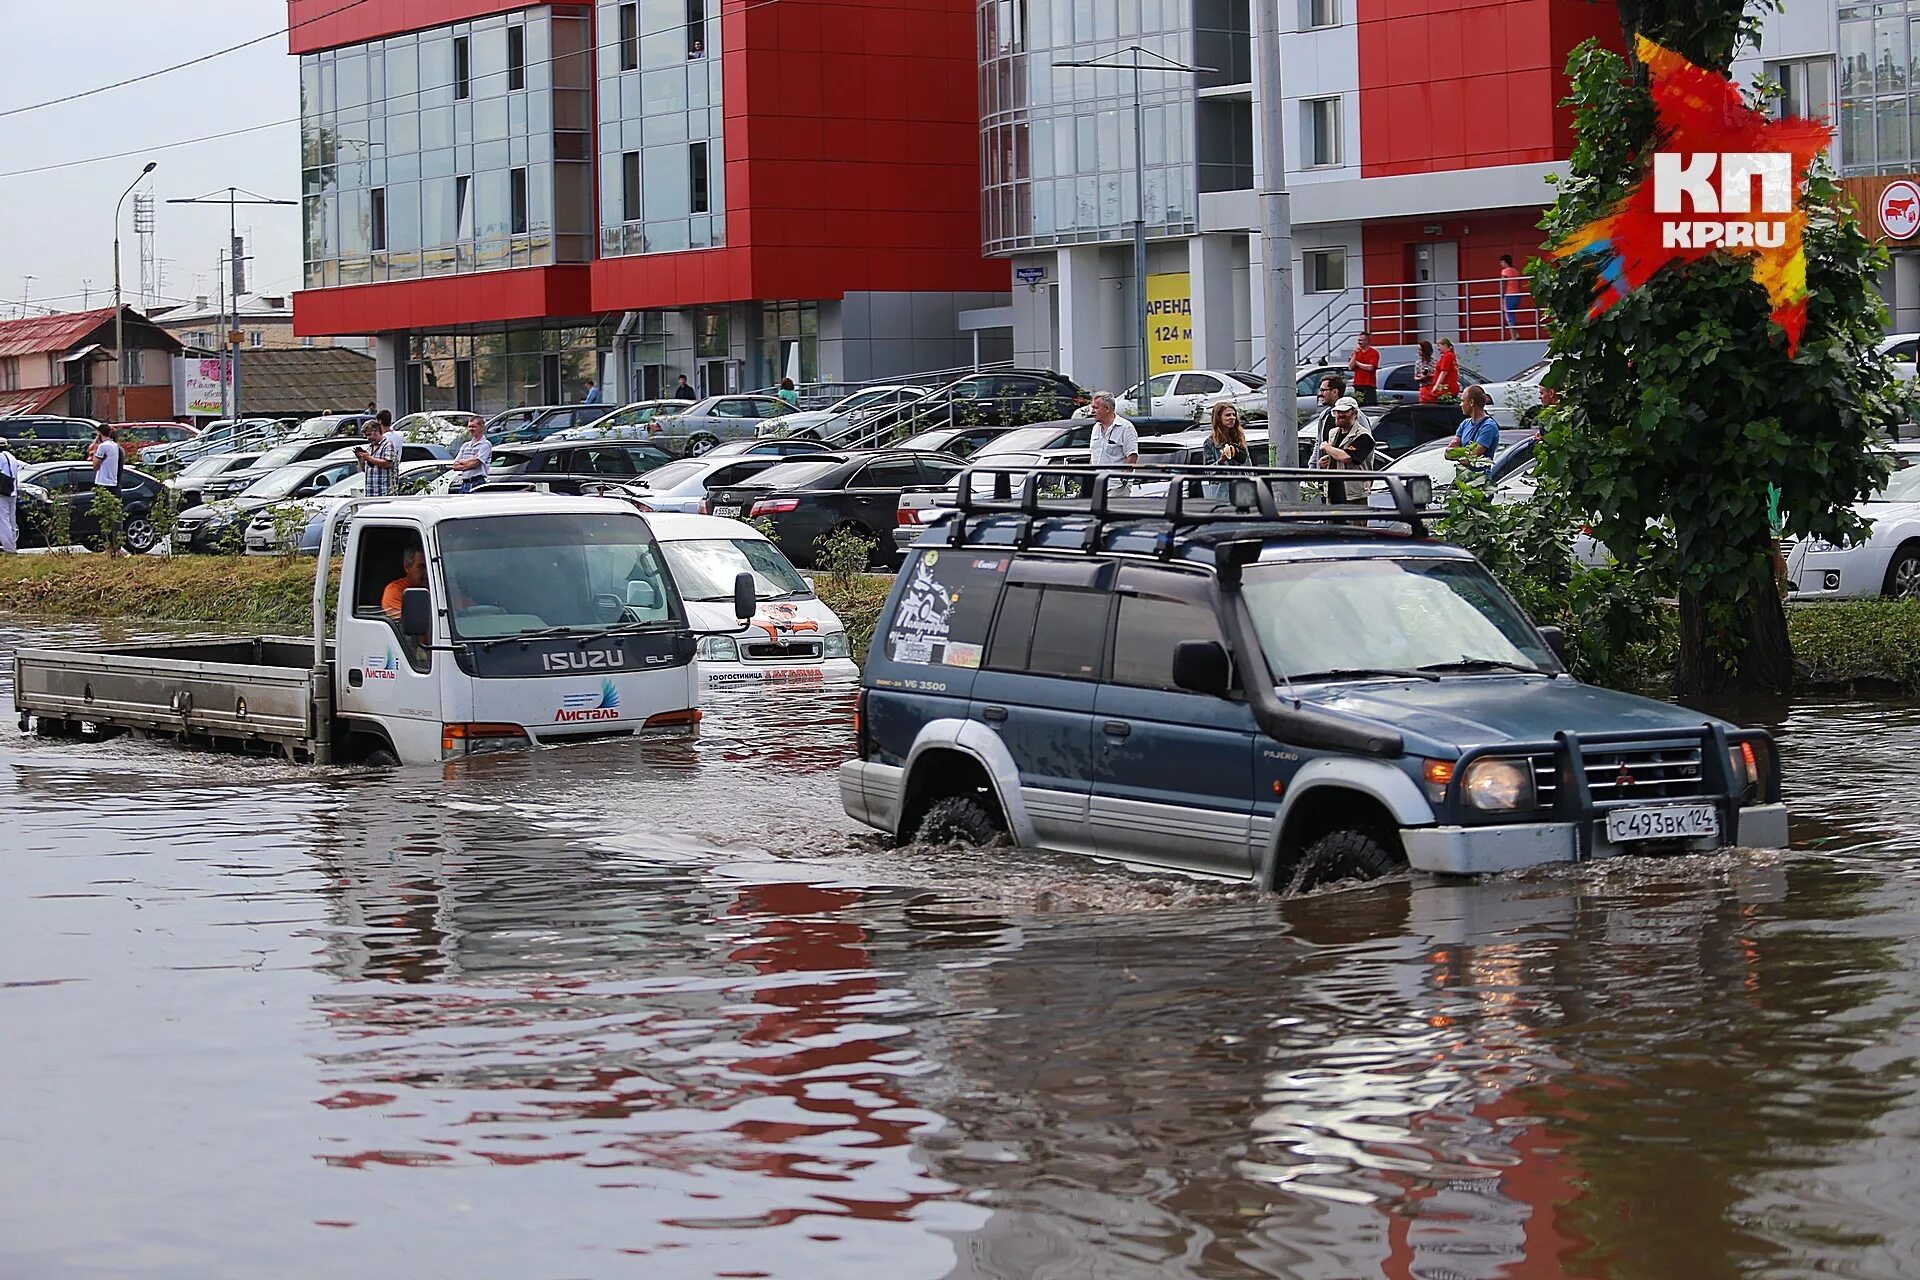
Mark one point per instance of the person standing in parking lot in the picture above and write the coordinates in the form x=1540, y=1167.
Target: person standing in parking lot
x=1446, y=372
x=475, y=459
x=379, y=457
x=789, y=392
x=1115, y=443
x=1478, y=435
x=9, y=499
x=1349, y=448
x=593, y=393
x=1365, y=367
x=1320, y=424
x=683, y=390
x=106, y=459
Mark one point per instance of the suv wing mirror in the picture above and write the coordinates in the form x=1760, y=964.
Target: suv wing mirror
x=416, y=612
x=1201, y=666
x=1556, y=639
x=745, y=601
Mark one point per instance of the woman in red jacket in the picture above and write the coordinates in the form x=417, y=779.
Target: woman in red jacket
x=1446, y=372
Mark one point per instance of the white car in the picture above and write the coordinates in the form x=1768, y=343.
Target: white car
x=627, y=422
x=809, y=422
x=1886, y=564
x=436, y=426
x=682, y=486
x=1192, y=393
x=1520, y=394
x=1904, y=350
x=793, y=641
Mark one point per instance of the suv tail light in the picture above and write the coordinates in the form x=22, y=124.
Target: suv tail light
x=773, y=506
x=860, y=724
x=906, y=516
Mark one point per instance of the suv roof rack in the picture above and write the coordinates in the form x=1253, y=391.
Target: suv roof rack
x=1104, y=495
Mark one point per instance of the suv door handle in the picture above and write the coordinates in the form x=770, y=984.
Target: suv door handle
x=995, y=714
x=1118, y=728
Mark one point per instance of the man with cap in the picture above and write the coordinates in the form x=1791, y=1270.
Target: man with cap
x=9, y=498
x=1349, y=447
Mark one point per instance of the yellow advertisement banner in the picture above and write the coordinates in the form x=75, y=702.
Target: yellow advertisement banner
x=1169, y=322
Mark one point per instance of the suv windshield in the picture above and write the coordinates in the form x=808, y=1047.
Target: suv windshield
x=704, y=568
x=278, y=456
x=508, y=575
x=1386, y=614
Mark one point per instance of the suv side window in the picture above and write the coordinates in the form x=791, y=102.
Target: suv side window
x=1049, y=631
x=1154, y=616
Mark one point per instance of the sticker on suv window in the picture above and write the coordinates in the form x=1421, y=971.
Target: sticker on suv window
x=945, y=609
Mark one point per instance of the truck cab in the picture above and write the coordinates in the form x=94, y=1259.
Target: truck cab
x=1219, y=681
x=487, y=622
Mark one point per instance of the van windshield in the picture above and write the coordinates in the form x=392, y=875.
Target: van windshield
x=509, y=575
x=1321, y=617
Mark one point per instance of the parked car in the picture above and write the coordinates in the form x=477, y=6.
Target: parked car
x=42, y=483
x=188, y=484
x=219, y=525
x=533, y=423
x=1520, y=394
x=227, y=484
x=1399, y=428
x=435, y=426
x=326, y=426
x=793, y=640
x=138, y=437
x=222, y=435
x=574, y=466
x=1886, y=563
x=810, y=423
x=961, y=442
x=1431, y=460
x=1306, y=386
x=767, y=448
x=286, y=526
x=1903, y=349
x=1189, y=448
x=1192, y=393
x=682, y=485
x=626, y=422
x=1289, y=703
x=47, y=437
x=809, y=498
x=1072, y=433
x=705, y=423
x=920, y=507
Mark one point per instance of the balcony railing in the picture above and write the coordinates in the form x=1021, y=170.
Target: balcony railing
x=1398, y=314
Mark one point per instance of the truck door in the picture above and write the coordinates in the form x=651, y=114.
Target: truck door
x=386, y=678
x=1036, y=688
x=1172, y=770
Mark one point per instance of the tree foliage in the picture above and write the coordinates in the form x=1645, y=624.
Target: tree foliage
x=1679, y=404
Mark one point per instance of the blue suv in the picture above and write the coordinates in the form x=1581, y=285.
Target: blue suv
x=1198, y=671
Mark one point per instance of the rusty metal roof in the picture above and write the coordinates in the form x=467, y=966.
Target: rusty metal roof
x=30, y=401
x=37, y=334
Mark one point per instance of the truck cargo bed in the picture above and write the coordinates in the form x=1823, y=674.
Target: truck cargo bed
x=256, y=691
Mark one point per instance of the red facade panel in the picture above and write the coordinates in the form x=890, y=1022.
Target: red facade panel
x=1387, y=248
x=1464, y=84
x=449, y=302
x=313, y=25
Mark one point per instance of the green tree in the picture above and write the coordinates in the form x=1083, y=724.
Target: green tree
x=1679, y=403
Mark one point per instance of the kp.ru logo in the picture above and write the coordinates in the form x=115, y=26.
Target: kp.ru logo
x=1687, y=177
x=383, y=666
x=604, y=705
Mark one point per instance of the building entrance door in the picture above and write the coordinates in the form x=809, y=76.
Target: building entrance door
x=1433, y=292
x=713, y=378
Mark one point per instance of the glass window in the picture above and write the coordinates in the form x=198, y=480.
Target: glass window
x=1325, y=270
x=377, y=220
x=516, y=57
x=1320, y=131
x=630, y=187
x=462, y=67
x=629, y=37
x=1057, y=631
x=1319, y=13
x=704, y=569
x=1147, y=632
x=517, y=198
x=697, y=176
x=523, y=573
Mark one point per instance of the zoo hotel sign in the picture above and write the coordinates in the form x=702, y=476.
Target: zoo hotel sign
x=1724, y=179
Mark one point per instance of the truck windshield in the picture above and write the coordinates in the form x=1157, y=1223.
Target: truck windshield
x=1386, y=614
x=508, y=575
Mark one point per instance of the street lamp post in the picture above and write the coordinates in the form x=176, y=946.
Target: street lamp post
x=1143, y=403
x=119, y=315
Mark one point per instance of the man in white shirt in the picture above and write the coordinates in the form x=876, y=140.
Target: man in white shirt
x=106, y=458
x=475, y=459
x=1115, y=443
x=9, y=499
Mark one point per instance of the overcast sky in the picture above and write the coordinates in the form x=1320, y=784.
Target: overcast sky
x=57, y=226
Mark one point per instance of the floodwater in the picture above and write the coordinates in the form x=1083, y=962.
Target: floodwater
x=665, y=1013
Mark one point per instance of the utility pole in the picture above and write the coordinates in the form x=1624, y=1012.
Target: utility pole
x=119, y=305
x=1276, y=227
x=1143, y=402
x=230, y=344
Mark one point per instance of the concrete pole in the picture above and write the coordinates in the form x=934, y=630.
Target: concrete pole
x=1276, y=223
x=119, y=316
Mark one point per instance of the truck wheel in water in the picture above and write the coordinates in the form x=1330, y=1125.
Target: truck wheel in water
x=958, y=820
x=1342, y=855
x=381, y=758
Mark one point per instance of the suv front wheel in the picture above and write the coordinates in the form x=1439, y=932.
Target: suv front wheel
x=1343, y=855
x=958, y=820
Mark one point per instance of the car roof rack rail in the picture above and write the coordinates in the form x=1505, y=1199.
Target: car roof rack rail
x=1105, y=495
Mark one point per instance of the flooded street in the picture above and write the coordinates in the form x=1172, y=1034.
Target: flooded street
x=665, y=1012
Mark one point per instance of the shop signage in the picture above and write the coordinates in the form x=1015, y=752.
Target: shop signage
x=1900, y=209
x=1169, y=322
x=196, y=387
x=1030, y=275
x=1728, y=180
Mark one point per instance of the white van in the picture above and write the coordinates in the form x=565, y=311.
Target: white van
x=793, y=639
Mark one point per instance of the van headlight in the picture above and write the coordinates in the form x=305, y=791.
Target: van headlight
x=834, y=645
x=1495, y=784
x=718, y=649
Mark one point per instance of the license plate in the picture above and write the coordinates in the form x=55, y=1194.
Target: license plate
x=182, y=537
x=727, y=511
x=1669, y=822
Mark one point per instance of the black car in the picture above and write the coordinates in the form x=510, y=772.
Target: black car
x=961, y=442
x=807, y=498
x=227, y=484
x=44, y=437
x=43, y=483
x=571, y=466
x=776, y=446
x=189, y=482
x=220, y=526
x=537, y=422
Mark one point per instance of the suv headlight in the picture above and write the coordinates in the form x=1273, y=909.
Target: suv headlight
x=834, y=645
x=1496, y=783
x=718, y=649
x=1747, y=763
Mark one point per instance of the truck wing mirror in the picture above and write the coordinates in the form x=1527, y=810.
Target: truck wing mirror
x=1556, y=639
x=1201, y=666
x=745, y=601
x=416, y=612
